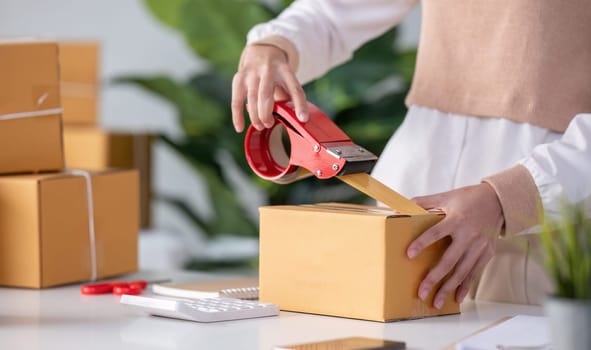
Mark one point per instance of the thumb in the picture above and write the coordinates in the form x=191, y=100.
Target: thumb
x=429, y=202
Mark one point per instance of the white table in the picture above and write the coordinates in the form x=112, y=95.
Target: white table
x=62, y=318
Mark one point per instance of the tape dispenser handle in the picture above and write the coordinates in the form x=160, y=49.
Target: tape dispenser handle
x=269, y=157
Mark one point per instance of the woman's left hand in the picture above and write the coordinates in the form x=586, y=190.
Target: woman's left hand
x=473, y=220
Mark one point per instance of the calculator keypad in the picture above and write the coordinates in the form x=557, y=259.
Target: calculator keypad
x=203, y=310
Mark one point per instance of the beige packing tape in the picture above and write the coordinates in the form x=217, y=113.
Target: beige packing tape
x=32, y=114
x=91, y=232
x=78, y=89
x=365, y=183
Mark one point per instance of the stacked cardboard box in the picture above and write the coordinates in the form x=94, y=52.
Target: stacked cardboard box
x=86, y=144
x=57, y=226
x=30, y=126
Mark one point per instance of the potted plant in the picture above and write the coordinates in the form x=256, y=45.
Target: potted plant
x=567, y=245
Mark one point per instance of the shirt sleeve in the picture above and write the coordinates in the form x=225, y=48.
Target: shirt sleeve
x=556, y=172
x=323, y=34
x=561, y=170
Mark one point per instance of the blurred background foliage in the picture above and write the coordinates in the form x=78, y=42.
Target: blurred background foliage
x=364, y=96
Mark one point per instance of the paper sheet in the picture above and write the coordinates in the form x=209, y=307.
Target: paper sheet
x=518, y=331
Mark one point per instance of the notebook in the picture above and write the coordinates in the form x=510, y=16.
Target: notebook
x=351, y=343
x=238, y=288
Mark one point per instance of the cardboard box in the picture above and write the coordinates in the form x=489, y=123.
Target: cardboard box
x=346, y=260
x=94, y=148
x=30, y=125
x=45, y=233
x=80, y=81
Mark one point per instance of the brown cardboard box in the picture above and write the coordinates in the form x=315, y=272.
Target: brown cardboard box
x=44, y=227
x=30, y=125
x=346, y=260
x=79, y=62
x=89, y=147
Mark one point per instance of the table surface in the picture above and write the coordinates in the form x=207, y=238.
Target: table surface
x=62, y=318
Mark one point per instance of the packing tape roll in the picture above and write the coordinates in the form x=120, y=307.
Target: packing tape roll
x=365, y=183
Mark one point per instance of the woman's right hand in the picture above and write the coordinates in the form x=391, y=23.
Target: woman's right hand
x=263, y=77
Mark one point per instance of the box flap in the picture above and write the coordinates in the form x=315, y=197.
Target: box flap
x=365, y=209
x=60, y=175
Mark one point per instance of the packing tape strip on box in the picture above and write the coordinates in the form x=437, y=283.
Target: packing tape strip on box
x=91, y=228
x=375, y=189
x=78, y=89
x=32, y=114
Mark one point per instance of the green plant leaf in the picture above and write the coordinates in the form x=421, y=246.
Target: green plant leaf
x=198, y=114
x=216, y=30
x=195, y=149
x=567, y=253
x=184, y=208
x=406, y=64
x=372, y=124
x=229, y=216
x=215, y=86
x=356, y=81
x=166, y=11
x=213, y=265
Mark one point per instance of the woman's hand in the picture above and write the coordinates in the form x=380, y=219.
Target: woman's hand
x=263, y=77
x=473, y=220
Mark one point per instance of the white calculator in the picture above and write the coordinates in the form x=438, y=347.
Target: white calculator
x=202, y=310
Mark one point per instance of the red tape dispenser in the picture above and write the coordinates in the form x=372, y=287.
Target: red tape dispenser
x=317, y=147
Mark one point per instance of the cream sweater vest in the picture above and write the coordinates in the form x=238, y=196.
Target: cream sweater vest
x=524, y=60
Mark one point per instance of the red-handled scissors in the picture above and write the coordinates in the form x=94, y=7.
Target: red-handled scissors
x=116, y=287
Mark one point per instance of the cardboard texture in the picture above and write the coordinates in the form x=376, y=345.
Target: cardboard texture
x=79, y=62
x=92, y=148
x=44, y=227
x=30, y=124
x=346, y=260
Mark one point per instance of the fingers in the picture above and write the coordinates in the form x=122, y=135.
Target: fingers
x=463, y=271
x=237, y=104
x=429, y=202
x=280, y=94
x=297, y=94
x=427, y=238
x=252, y=106
x=476, y=269
x=265, y=102
x=460, y=273
x=262, y=72
x=443, y=267
x=260, y=99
